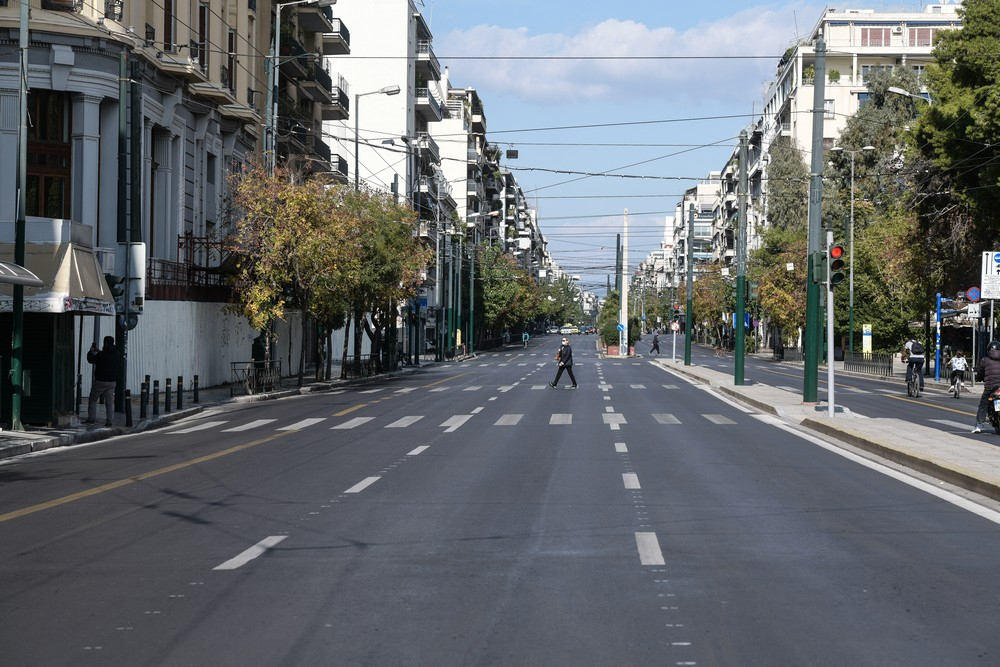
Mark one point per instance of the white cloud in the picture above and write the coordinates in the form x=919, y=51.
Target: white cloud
x=700, y=74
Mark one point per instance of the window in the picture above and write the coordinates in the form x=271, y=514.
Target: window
x=863, y=99
x=202, y=44
x=48, y=154
x=867, y=70
x=231, y=62
x=875, y=36
x=168, y=25
x=921, y=37
x=828, y=109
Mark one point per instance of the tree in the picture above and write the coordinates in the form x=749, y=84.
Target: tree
x=510, y=296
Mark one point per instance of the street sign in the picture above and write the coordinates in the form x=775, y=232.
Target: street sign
x=621, y=327
x=972, y=293
x=675, y=326
x=991, y=275
x=972, y=311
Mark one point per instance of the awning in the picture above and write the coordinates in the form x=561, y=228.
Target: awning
x=15, y=274
x=71, y=281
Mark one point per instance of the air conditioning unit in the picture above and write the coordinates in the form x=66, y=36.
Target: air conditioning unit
x=898, y=30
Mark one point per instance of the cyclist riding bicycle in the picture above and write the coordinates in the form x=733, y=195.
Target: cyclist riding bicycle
x=987, y=370
x=958, y=365
x=913, y=355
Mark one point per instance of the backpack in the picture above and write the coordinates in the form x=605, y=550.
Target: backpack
x=917, y=348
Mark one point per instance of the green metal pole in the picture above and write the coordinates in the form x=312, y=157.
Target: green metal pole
x=688, y=315
x=20, y=227
x=472, y=287
x=741, y=265
x=814, y=328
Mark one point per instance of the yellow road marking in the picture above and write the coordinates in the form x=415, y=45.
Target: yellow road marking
x=931, y=405
x=350, y=409
x=111, y=486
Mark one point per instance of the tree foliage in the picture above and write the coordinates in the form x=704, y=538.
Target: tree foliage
x=510, y=296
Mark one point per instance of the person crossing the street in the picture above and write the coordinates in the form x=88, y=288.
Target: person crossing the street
x=565, y=358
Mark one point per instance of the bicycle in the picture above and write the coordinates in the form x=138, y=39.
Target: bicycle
x=913, y=385
x=957, y=385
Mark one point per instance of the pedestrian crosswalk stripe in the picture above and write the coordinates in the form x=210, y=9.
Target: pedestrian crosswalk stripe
x=670, y=386
x=403, y=422
x=303, y=424
x=405, y=390
x=718, y=419
x=539, y=386
x=453, y=423
x=248, y=425
x=439, y=389
x=472, y=389
x=372, y=391
x=199, y=427
x=508, y=420
x=362, y=485
x=637, y=386
x=666, y=419
x=631, y=480
x=352, y=423
x=558, y=418
x=614, y=418
x=419, y=450
x=948, y=422
x=621, y=448
x=649, y=549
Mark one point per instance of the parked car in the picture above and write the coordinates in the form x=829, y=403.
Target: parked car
x=552, y=330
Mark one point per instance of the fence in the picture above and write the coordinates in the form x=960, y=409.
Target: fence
x=790, y=354
x=255, y=376
x=878, y=364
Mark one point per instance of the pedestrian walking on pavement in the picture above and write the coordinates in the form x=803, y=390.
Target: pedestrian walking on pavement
x=565, y=358
x=656, y=343
x=102, y=387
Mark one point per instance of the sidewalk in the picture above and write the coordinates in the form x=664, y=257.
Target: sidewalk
x=971, y=464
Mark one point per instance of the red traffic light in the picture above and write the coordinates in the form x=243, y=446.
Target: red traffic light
x=836, y=251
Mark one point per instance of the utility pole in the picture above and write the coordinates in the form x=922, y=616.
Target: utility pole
x=688, y=315
x=814, y=329
x=20, y=227
x=623, y=342
x=741, y=265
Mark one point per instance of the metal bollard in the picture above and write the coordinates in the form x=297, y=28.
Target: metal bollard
x=128, y=408
x=156, y=397
x=180, y=392
x=148, y=386
x=143, y=399
x=195, y=388
x=166, y=403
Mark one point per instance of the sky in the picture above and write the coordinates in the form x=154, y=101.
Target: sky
x=652, y=93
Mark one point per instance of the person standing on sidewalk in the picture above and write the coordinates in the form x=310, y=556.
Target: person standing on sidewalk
x=987, y=370
x=565, y=359
x=105, y=363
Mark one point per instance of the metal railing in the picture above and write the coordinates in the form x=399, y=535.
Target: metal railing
x=878, y=364
x=789, y=354
x=254, y=377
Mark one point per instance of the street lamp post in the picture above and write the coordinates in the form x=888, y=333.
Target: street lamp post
x=472, y=275
x=274, y=65
x=850, y=244
x=385, y=90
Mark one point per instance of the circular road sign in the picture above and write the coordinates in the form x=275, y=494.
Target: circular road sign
x=972, y=293
x=675, y=326
x=621, y=327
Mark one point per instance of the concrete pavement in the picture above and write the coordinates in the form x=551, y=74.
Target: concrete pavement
x=972, y=464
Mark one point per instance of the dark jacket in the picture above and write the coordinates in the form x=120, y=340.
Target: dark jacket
x=105, y=363
x=988, y=368
x=566, y=355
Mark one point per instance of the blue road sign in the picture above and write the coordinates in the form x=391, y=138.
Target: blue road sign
x=621, y=327
x=972, y=293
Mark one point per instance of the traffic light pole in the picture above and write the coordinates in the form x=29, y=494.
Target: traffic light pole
x=813, y=336
x=741, y=266
x=829, y=325
x=688, y=315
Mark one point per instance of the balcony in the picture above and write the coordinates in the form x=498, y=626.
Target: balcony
x=430, y=148
x=184, y=67
x=217, y=92
x=339, y=108
x=321, y=149
x=317, y=85
x=293, y=58
x=478, y=122
x=338, y=165
x=337, y=42
x=313, y=18
x=427, y=106
x=427, y=62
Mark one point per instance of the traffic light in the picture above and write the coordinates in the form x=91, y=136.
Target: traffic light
x=836, y=258
x=677, y=310
x=117, y=286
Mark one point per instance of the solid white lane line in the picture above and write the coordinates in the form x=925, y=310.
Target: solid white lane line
x=403, y=422
x=631, y=480
x=363, y=484
x=453, y=423
x=561, y=419
x=718, y=419
x=251, y=553
x=247, y=427
x=199, y=427
x=666, y=419
x=352, y=423
x=302, y=424
x=508, y=420
x=621, y=448
x=649, y=549
x=419, y=450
